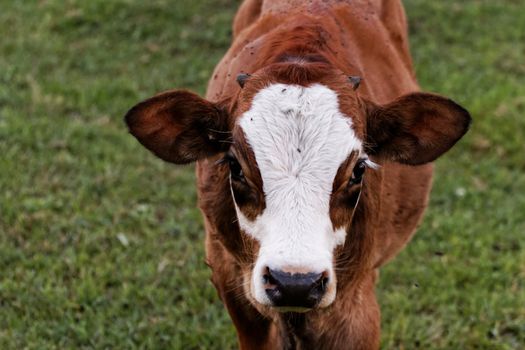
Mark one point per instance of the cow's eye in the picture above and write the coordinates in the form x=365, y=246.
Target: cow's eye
x=235, y=168
x=358, y=172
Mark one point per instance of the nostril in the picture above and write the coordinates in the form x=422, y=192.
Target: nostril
x=323, y=281
x=268, y=280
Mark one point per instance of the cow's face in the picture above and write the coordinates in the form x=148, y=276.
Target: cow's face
x=297, y=146
x=297, y=163
x=299, y=140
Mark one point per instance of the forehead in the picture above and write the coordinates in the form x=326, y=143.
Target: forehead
x=298, y=132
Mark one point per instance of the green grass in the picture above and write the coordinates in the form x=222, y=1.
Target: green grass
x=101, y=244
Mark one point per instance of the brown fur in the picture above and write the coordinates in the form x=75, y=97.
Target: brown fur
x=307, y=42
x=358, y=39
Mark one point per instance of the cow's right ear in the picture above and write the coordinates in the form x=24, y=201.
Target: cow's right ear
x=179, y=126
x=414, y=129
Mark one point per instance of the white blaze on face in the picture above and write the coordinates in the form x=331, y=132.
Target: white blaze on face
x=299, y=138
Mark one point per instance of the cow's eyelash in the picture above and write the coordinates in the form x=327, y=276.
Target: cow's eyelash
x=221, y=161
x=236, y=171
x=228, y=157
x=371, y=165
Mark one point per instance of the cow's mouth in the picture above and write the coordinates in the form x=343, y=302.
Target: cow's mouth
x=297, y=309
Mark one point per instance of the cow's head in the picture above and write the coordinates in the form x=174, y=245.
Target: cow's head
x=297, y=141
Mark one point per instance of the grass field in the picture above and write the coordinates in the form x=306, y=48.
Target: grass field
x=101, y=243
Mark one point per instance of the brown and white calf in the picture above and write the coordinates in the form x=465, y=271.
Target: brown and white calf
x=307, y=183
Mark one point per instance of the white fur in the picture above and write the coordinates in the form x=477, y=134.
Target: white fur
x=299, y=138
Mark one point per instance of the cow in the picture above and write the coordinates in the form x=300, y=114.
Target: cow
x=313, y=148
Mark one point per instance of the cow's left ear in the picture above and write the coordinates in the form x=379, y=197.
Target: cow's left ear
x=179, y=126
x=414, y=129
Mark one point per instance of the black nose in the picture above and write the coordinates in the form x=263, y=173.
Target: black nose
x=294, y=290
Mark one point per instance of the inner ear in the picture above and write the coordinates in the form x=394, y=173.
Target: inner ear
x=414, y=129
x=180, y=126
